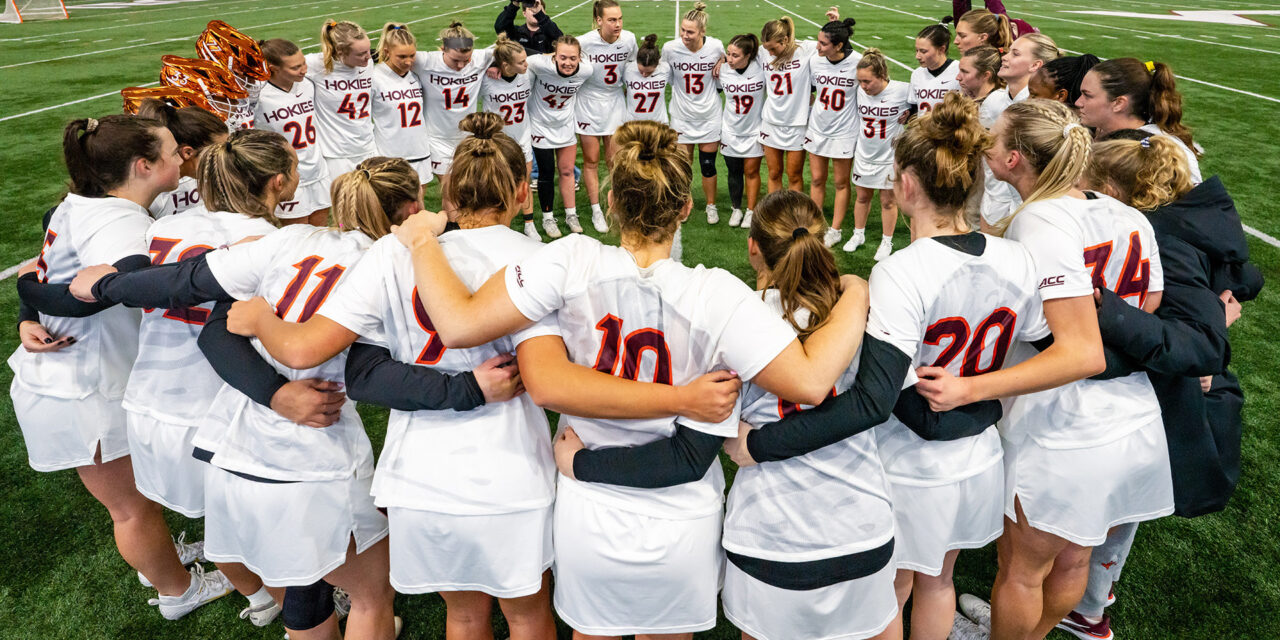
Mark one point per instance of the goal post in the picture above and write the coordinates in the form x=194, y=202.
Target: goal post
x=18, y=11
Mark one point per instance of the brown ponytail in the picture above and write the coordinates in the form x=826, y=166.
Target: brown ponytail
x=488, y=167
x=874, y=61
x=943, y=149
x=651, y=180
x=368, y=198
x=99, y=153
x=987, y=61
x=191, y=126
x=1153, y=94
x=648, y=55
x=234, y=175
x=747, y=43
x=275, y=50
x=996, y=27
x=788, y=228
x=1144, y=174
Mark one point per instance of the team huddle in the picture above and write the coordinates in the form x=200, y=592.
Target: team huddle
x=208, y=307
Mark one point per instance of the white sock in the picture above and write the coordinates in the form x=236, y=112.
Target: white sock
x=570, y=212
x=711, y=207
x=1091, y=619
x=751, y=213
x=887, y=238
x=548, y=215
x=595, y=208
x=860, y=232
x=260, y=599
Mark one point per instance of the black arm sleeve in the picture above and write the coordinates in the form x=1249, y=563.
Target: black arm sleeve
x=506, y=20
x=866, y=404
x=375, y=377
x=968, y=420
x=167, y=286
x=235, y=359
x=684, y=457
x=1186, y=337
x=26, y=312
x=548, y=27
x=56, y=299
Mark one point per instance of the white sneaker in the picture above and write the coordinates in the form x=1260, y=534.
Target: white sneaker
x=831, y=237
x=599, y=222
x=735, y=218
x=885, y=248
x=976, y=609
x=549, y=225
x=261, y=616
x=574, y=225
x=859, y=238
x=965, y=629
x=677, y=247
x=187, y=554
x=205, y=588
x=746, y=219
x=531, y=230
x=713, y=214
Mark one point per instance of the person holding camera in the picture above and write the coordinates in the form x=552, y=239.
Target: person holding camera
x=538, y=33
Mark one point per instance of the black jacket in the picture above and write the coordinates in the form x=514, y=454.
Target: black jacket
x=534, y=42
x=1203, y=251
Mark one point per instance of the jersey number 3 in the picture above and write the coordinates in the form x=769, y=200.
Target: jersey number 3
x=632, y=349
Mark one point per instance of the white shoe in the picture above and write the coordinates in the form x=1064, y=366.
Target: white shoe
x=549, y=225
x=965, y=629
x=187, y=554
x=599, y=222
x=735, y=218
x=262, y=616
x=713, y=214
x=574, y=225
x=531, y=230
x=831, y=237
x=976, y=609
x=205, y=588
x=859, y=238
x=677, y=247
x=885, y=248
x=746, y=219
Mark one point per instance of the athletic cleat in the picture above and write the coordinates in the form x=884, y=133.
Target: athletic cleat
x=549, y=225
x=261, y=616
x=976, y=609
x=599, y=222
x=531, y=230
x=574, y=225
x=885, y=248
x=205, y=588
x=963, y=628
x=859, y=238
x=1076, y=625
x=831, y=237
x=746, y=219
x=735, y=218
x=713, y=214
x=187, y=554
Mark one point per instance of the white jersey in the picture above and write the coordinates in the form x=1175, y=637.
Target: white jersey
x=495, y=458
x=450, y=94
x=398, y=127
x=743, y=99
x=602, y=93
x=647, y=95
x=826, y=503
x=944, y=307
x=171, y=380
x=292, y=114
x=666, y=323
x=1078, y=245
x=879, y=123
x=295, y=268
x=342, y=102
x=510, y=99
x=788, y=90
x=693, y=88
x=999, y=198
x=834, y=113
x=84, y=232
x=186, y=196
x=928, y=90
x=551, y=109
x=1192, y=162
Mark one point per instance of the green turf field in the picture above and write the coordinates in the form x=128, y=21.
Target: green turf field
x=1217, y=576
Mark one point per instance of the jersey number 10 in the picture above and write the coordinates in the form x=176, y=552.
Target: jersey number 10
x=632, y=349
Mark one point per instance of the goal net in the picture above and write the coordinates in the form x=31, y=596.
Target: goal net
x=24, y=10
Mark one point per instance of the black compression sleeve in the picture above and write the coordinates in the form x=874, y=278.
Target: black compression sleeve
x=506, y=20
x=168, y=286
x=56, y=299
x=969, y=420
x=684, y=457
x=866, y=404
x=375, y=377
x=236, y=361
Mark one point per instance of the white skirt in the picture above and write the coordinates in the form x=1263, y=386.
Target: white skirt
x=930, y=521
x=61, y=433
x=1079, y=494
x=163, y=467
x=599, y=118
x=839, y=147
x=339, y=166
x=872, y=176
x=290, y=534
x=776, y=136
x=442, y=155
x=503, y=555
x=696, y=131
x=849, y=610
x=308, y=199
x=423, y=167
x=741, y=146
x=620, y=573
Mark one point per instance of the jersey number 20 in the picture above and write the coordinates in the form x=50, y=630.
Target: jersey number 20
x=956, y=330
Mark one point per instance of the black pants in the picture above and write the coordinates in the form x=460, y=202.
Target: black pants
x=548, y=174
x=736, y=179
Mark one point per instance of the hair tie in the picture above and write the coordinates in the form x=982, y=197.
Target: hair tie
x=331, y=23
x=1066, y=131
x=396, y=27
x=91, y=125
x=226, y=146
x=647, y=155
x=1151, y=66
x=799, y=232
x=1145, y=142
x=366, y=174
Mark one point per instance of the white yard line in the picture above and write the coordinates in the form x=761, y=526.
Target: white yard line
x=139, y=24
x=570, y=8
x=819, y=25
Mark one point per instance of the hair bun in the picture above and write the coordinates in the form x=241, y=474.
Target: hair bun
x=849, y=22
x=699, y=6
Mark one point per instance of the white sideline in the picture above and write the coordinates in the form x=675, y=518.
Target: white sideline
x=139, y=24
